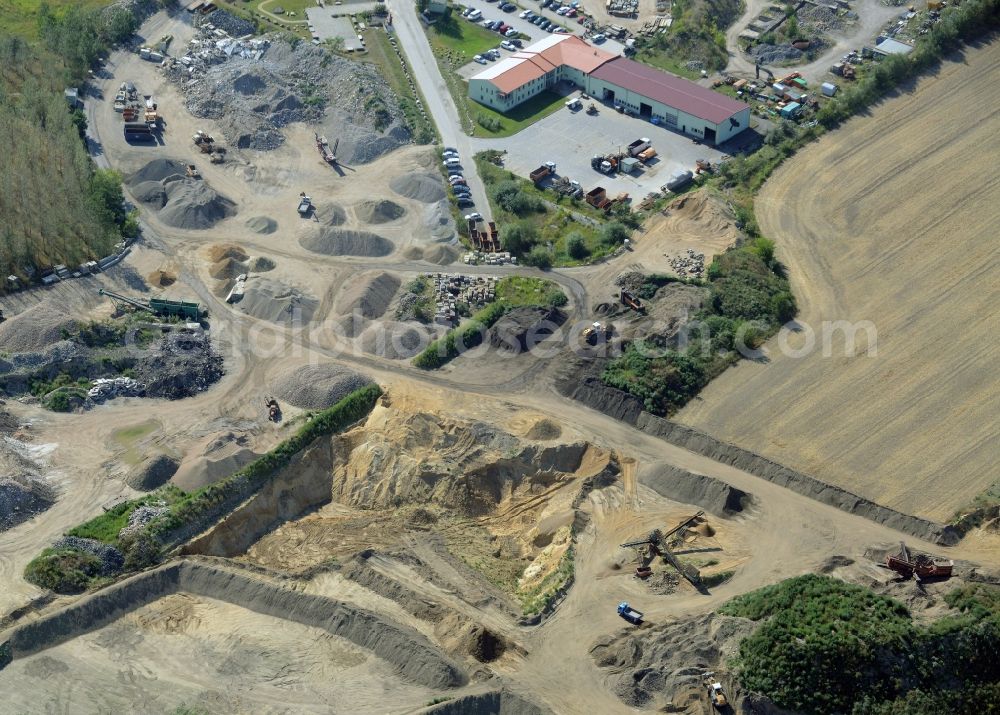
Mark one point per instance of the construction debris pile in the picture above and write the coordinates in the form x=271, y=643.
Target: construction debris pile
x=229, y=23
x=255, y=86
x=24, y=491
x=623, y=8
x=182, y=364
x=106, y=388
x=141, y=516
x=451, y=290
x=112, y=560
x=691, y=265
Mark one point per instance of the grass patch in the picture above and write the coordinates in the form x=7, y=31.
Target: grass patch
x=827, y=646
x=460, y=40
x=382, y=54
x=491, y=123
x=512, y=292
x=716, y=579
x=20, y=17
x=108, y=525
x=63, y=570
x=541, y=596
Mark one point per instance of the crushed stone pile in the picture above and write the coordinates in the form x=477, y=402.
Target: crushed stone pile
x=395, y=340
x=420, y=186
x=440, y=255
x=156, y=171
x=438, y=219
x=347, y=242
x=152, y=473
x=182, y=364
x=262, y=264
x=112, y=560
x=382, y=211
x=226, y=268
x=774, y=54
x=315, y=387
x=222, y=251
x=23, y=491
x=35, y=329
x=179, y=201
x=253, y=98
x=141, y=516
x=369, y=295
x=331, y=215
x=150, y=192
x=262, y=224
x=278, y=302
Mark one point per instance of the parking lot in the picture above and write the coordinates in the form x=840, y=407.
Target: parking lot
x=571, y=138
x=325, y=26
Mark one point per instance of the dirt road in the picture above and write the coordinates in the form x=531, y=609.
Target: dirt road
x=908, y=244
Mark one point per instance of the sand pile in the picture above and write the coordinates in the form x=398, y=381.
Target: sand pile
x=275, y=301
x=262, y=224
x=331, y=215
x=440, y=255
x=420, y=186
x=377, y=212
x=262, y=264
x=369, y=295
x=315, y=387
x=217, y=457
x=34, y=329
x=152, y=472
x=161, y=278
x=467, y=638
x=544, y=429
x=226, y=250
x=226, y=268
x=345, y=242
x=394, y=340
x=193, y=205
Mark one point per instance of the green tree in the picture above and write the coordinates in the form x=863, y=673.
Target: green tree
x=519, y=237
x=540, y=257
x=576, y=247
x=614, y=233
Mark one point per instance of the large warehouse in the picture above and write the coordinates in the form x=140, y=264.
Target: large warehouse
x=648, y=92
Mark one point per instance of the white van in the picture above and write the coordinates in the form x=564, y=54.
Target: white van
x=475, y=15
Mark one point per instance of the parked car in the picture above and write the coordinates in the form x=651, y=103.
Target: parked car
x=453, y=161
x=475, y=15
x=562, y=11
x=546, y=3
x=545, y=24
x=474, y=216
x=538, y=21
x=599, y=38
x=510, y=33
x=571, y=13
x=480, y=59
x=466, y=11
x=458, y=182
x=450, y=148
x=462, y=192
x=465, y=202
x=523, y=14
x=507, y=46
x=508, y=7
x=455, y=176
x=516, y=42
x=503, y=28
x=561, y=31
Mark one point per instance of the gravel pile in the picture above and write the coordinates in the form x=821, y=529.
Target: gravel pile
x=315, y=387
x=394, y=341
x=440, y=255
x=182, y=364
x=262, y=224
x=226, y=268
x=630, y=281
x=152, y=473
x=774, y=54
x=36, y=328
x=235, y=26
x=150, y=192
x=112, y=560
x=437, y=218
x=347, y=242
x=21, y=497
x=262, y=264
x=420, y=186
x=253, y=98
x=377, y=212
x=156, y=171
x=194, y=205
x=331, y=215
x=221, y=251
x=141, y=516
x=277, y=302
x=369, y=295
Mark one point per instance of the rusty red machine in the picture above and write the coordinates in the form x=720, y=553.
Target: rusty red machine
x=919, y=566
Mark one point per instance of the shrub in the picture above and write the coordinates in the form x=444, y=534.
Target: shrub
x=489, y=123
x=576, y=248
x=62, y=571
x=519, y=238
x=614, y=233
x=540, y=257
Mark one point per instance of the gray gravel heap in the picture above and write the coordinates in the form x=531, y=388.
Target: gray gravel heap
x=315, y=387
x=112, y=560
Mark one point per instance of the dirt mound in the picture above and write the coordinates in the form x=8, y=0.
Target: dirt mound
x=215, y=458
x=420, y=186
x=459, y=635
x=414, y=253
x=156, y=171
x=194, y=206
x=315, y=387
x=369, y=295
x=152, y=473
x=713, y=495
x=262, y=264
x=226, y=268
x=275, y=301
x=220, y=251
x=649, y=667
x=36, y=328
x=440, y=255
x=180, y=365
x=346, y=242
x=543, y=430
x=150, y=192
x=161, y=278
x=331, y=215
x=394, y=340
x=376, y=212
x=262, y=224
x=523, y=328
x=498, y=702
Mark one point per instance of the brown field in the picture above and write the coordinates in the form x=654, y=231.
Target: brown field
x=891, y=219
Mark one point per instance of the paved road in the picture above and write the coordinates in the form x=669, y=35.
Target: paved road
x=410, y=31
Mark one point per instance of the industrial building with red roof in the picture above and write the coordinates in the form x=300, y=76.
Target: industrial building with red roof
x=637, y=88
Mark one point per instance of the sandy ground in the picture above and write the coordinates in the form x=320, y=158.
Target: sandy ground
x=210, y=655
x=908, y=244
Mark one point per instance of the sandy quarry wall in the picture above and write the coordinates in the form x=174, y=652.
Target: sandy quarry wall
x=408, y=651
x=713, y=495
x=622, y=406
x=302, y=485
x=497, y=702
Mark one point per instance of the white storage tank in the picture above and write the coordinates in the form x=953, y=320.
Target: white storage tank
x=829, y=89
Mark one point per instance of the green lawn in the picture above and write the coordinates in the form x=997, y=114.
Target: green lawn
x=20, y=17
x=523, y=115
x=460, y=40
x=520, y=290
x=663, y=61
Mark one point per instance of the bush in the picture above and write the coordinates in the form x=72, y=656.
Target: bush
x=490, y=123
x=512, y=198
x=63, y=571
x=540, y=257
x=457, y=340
x=614, y=233
x=576, y=248
x=519, y=238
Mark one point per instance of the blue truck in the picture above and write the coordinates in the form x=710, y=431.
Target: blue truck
x=629, y=614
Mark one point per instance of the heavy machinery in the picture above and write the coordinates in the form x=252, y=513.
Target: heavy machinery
x=631, y=301
x=656, y=545
x=191, y=171
x=305, y=205
x=150, y=115
x=920, y=566
x=329, y=155
x=596, y=333
x=204, y=142
x=158, y=306
x=630, y=614
x=716, y=695
x=273, y=410
x=591, y=108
